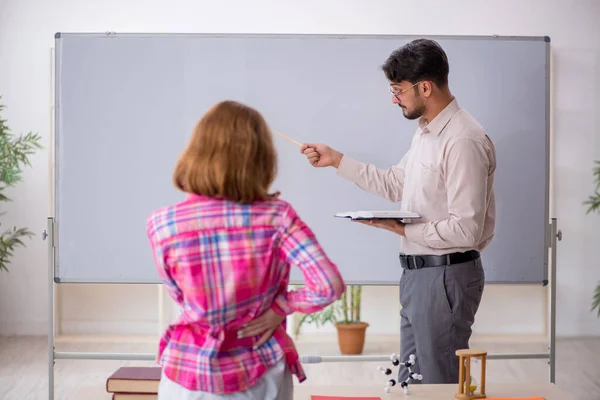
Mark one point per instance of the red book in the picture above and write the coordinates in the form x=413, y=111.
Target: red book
x=134, y=380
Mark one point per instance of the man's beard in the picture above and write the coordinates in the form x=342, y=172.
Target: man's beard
x=414, y=114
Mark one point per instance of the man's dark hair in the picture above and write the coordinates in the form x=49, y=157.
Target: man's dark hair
x=421, y=59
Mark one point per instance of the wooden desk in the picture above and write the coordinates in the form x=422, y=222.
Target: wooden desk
x=430, y=392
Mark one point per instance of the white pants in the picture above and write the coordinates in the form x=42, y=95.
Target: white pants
x=275, y=384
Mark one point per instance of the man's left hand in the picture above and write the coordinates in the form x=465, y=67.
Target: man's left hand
x=391, y=225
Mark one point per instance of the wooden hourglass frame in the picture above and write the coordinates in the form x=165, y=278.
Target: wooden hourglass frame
x=464, y=374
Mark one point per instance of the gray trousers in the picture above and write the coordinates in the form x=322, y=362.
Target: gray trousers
x=438, y=310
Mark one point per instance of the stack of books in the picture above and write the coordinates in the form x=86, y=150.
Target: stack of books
x=134, y=383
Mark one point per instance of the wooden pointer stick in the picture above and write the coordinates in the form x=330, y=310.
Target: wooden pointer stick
x=287, y=138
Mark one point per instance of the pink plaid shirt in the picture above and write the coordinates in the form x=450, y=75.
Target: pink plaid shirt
x=226, y=264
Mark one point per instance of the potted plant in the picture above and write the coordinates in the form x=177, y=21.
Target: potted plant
x=344, y=314
x=14, y=155
x=593, y=204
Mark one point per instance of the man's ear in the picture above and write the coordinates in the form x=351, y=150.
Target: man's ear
x=426, y=88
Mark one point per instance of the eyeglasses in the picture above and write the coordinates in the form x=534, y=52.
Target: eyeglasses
x=396, y=92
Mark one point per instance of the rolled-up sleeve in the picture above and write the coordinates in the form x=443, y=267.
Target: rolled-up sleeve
x=466, y=167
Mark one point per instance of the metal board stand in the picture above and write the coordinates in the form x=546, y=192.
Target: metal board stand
x=53, y=355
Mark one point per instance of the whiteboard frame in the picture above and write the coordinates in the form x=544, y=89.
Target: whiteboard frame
x=57, y=127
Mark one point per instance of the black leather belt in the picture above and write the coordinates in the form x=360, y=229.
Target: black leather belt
x=426, y=261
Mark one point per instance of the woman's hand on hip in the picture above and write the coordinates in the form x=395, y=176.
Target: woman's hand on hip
x=265, y=325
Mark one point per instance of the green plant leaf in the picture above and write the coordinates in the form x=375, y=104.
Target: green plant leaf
x=9, y=241
x=596, y=300
x=15, y=152
x=593, y=201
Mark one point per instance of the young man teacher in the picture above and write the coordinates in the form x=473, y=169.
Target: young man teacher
x=447, y=177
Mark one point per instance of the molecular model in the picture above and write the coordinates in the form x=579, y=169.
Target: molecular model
x=411, y=375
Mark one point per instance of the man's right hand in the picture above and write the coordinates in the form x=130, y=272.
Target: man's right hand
x=320, y=155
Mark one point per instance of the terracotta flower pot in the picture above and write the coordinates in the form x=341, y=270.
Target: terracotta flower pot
x=351, y=337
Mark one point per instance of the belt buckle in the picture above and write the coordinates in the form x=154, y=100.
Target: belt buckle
x=420, y=264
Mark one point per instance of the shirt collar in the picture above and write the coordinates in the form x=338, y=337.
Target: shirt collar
x=196, y=197
x=441, y=120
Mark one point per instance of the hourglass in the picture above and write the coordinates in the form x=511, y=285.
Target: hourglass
x=467, y=385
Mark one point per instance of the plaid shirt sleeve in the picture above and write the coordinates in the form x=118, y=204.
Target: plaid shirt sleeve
x=164, y=272
x=323, y=281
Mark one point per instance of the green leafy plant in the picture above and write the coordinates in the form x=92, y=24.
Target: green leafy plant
x=596, y=299
x=593, y=201
x=14, y=156
x=593, y=204
x=346, y=310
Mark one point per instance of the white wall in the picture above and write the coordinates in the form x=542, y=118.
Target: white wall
x=26, y=34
